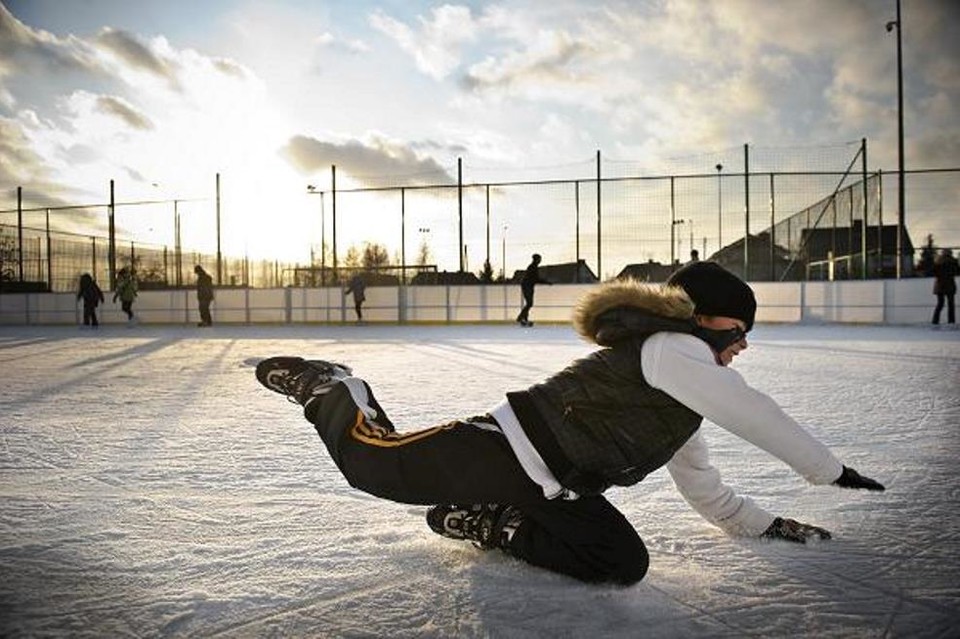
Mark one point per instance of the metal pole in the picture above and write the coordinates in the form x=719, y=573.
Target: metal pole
x=865, y=226
x=49, y=256
x=333, y=178
x=773, y=227
x=460, y=208
x=880, y=222
x=219, y=255
x=746, y=212
x=323, y=243
x=488, y=226
x=503, y=253
x=403, y=236
x=177, y=246
x=20, y=233
x=576, y=190
x=599, y=234
x=719, y=209
x=673, y=223
x=902, y=217
x=112, y=245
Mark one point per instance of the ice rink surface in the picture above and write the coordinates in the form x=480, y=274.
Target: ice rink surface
x=150, y=487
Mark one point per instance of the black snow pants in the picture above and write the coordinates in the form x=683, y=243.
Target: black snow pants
x=470, y=462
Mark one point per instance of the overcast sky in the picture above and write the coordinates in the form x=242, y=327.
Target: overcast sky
x=270, y=94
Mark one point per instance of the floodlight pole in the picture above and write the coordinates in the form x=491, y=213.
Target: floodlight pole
x=219, y=253
x=901, y=214
x=719, y=210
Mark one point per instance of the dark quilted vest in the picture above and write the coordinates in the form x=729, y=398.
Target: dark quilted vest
x=599, y=423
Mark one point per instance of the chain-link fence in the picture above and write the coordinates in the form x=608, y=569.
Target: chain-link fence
x=765, y=220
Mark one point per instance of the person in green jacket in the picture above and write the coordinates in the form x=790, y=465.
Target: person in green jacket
x=126, y=291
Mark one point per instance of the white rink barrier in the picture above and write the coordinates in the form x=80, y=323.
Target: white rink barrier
x=907, y=301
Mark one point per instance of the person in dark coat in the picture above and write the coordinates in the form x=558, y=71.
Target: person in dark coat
x=945, y=270
x=92, y=297
x=529, y=477
x=527, y=285
x=204, y=295
x=357, y=287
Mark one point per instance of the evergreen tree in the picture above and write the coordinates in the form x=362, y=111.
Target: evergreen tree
x=486, y=274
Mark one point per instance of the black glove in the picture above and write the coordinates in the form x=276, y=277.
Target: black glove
x=792, y=530
x=850, y=478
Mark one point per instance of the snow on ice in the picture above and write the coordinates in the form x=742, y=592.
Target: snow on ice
x=150, y=487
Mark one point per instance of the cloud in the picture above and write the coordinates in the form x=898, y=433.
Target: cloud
x=328, y=41
x=555, y=62
x=18, y=162
x=230, y=67
x=112, y=105
x=135, y=55
x=23, y=49
x=436, y=45
x=367, y=161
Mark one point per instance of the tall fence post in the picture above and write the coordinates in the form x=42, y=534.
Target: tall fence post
x=333, y=180
x=866, y=209
x=746, y=212
x=487, y=198
x=460, y=209
x=219, y=254
x=403, y=237
x=599, y=229
x=19, y=233
x=773, y=231
x=673, y=224
x=576, y=200
x=49, y=256
x=880, y=221
x=112, y=243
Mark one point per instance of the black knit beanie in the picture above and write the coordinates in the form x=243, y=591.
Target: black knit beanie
x=716, y=291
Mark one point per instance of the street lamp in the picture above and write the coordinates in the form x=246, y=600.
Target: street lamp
x=691, y=236
x=424, y=245
x=719, y=209
x=674, y=237
x=311, y=189
x=901, y=216
x=503, y=251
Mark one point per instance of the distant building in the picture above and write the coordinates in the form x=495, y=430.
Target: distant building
x=445, y=278
x=566, y=273
x=648, y=272
x=762, y=266
x=833, y=253
x=843, y=246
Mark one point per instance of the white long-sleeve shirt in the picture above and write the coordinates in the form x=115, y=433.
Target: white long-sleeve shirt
x=684, y=367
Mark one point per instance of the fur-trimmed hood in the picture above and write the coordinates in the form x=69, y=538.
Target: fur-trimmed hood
x=620, y=309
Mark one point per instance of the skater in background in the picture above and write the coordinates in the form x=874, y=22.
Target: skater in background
x=92, y=297
x=527, y=285
x=694, y=256
x=945, y=270
x=528, y=477
x=126, y=291
x=204, y=295
x=357, y=288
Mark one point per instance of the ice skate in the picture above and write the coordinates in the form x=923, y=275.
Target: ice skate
x=486, y=525
x=299, y=379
